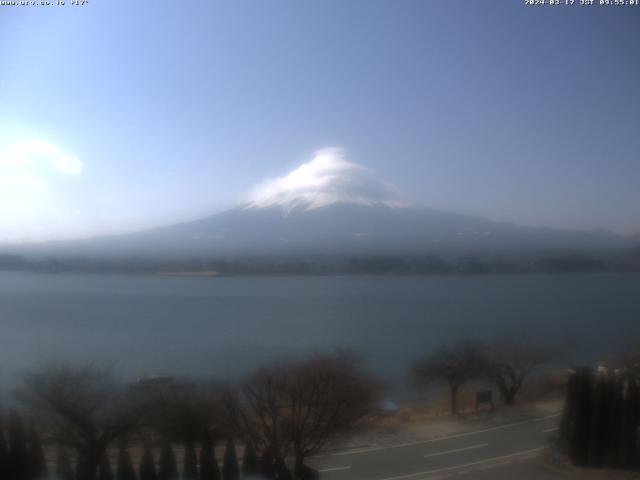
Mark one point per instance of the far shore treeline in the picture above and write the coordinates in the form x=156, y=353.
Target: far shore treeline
x=627, y=262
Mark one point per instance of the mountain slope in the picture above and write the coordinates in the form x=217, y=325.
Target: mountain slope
x=342, y=229
x=329, y=206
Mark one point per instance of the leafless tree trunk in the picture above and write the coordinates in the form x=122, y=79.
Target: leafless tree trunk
x=83, y=408
x=511, y=360
x=296, y=408
x=454, y=365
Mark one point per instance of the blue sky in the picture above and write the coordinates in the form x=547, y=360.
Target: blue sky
x=124, y=115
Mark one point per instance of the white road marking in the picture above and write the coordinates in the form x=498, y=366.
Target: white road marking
x=550, y=430
x=464, y=465
x=456, y=450
x=440, y=439
x=486, y=467
x=334, y=469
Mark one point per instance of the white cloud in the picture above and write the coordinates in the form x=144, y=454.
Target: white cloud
x=31, y=204
x=68, y=164
x=35, y=156
x=327, y=179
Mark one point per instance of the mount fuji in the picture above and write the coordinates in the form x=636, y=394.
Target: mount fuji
x=330, y=206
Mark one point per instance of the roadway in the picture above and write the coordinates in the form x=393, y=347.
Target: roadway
x=503, y=452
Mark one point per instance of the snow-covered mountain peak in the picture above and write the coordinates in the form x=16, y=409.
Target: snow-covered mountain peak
x=328, y=178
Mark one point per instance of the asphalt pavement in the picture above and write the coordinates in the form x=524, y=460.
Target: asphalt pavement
x=503, y=452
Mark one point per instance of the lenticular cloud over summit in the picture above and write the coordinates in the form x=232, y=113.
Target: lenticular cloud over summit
x=327, y=179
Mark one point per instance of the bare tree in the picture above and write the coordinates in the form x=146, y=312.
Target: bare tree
x=454, y=364
x=295, y=408
x=630, y=359
x=511, y=360
x=184, y=413
x=83, y=408
x=327, y=395
x=255, y=411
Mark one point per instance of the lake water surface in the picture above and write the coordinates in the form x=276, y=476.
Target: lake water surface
x=226, y=326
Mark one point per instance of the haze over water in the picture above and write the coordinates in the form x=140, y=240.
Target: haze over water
x=226, y=326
